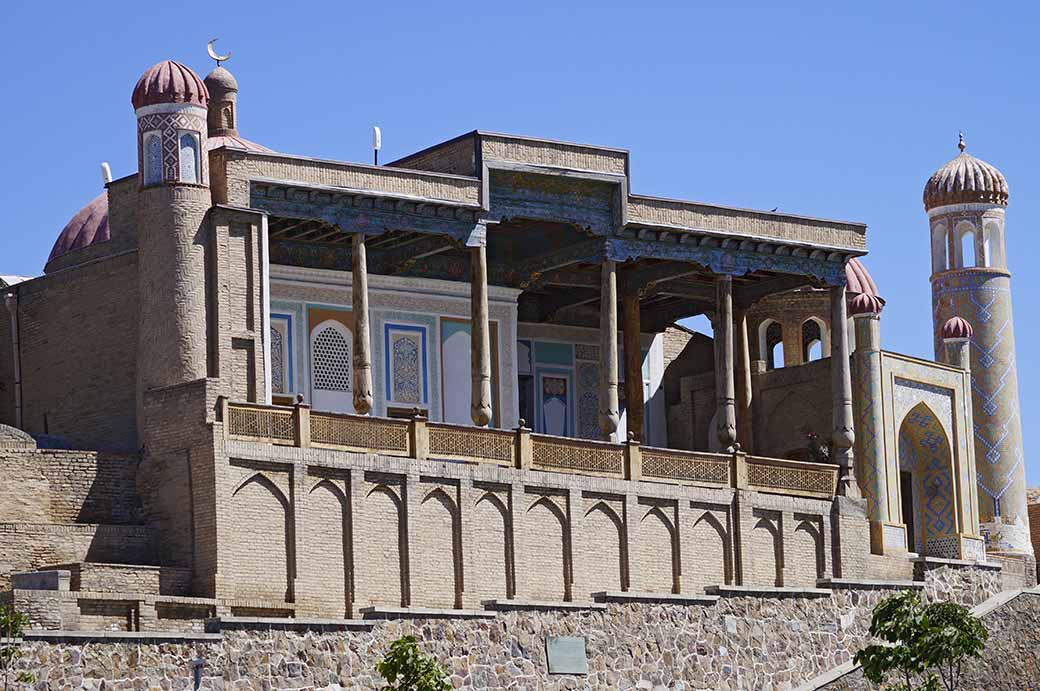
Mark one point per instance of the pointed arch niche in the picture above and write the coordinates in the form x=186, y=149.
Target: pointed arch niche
x=927, y=492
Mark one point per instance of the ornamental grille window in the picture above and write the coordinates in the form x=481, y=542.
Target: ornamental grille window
x=277, y=361
x=331, y=356
x=152, y=159
x=189, y=157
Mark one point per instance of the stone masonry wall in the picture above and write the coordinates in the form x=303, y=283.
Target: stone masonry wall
x=744, y=642
x=78, y=332
x=1010, y=662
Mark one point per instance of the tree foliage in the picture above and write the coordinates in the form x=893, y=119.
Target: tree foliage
x=922, y=646
x=12, y=628
x=406, y=669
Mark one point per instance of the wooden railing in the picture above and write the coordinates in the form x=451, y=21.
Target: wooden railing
x=420, y=439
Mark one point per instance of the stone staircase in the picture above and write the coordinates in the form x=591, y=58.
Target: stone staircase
x=89, y=596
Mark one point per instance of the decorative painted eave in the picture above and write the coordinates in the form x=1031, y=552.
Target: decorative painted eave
x=679, y=216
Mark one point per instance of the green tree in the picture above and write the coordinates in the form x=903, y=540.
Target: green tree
x=922, y=646
x=406, y=669
x=12, y=628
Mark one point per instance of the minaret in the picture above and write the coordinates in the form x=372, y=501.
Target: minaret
x=170, y=104
x=965, y=201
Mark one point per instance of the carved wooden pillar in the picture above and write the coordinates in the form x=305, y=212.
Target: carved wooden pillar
x=609, y=417
x=362, y=338
x=725, y=397
x=480, y=339
x=633, y=368
x=745, y=431
x=841, y=394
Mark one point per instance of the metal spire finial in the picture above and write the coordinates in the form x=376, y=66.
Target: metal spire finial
x=213, y=53
x=960, y=144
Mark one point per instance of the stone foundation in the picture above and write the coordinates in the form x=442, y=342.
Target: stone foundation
x=757, y=639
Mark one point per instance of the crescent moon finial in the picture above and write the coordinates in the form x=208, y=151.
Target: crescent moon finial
x=213, y=53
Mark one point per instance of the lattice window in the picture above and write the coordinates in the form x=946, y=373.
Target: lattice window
x=153, y=166
x=331, y=356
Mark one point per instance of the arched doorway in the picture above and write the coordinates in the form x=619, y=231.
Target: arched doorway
x=926, y=485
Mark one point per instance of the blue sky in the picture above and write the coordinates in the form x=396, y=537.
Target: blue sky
x=829, y=109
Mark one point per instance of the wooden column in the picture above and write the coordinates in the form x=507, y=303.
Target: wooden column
x=841, y=394
x=634, y=403
x=609, y=417
x=480, y=339
x=745, y=432
x=725, y=397
x=362, y=339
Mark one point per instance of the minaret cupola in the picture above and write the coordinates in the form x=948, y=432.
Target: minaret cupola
x=223, y=103
x=170, y=102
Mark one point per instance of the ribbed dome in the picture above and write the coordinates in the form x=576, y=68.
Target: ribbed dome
x=956, y=327
x=169, y=82
x=88, y=227
x=12, y=438
x=858, y=279
x=865, y=304
x=965, y=180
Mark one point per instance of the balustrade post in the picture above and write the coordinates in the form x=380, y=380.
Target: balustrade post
x=418, y=437
x=740, y=477
x=225, y=414
x=301, y=424
x=633, y=458
x=524, y=448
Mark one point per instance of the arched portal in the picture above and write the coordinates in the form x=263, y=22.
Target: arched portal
x=926, y=485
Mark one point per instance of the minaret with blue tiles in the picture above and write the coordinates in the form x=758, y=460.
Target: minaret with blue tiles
x=965, y=201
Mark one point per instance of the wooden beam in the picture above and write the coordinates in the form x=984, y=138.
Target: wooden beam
x=747, y=295
x=642, y=278
x=406, y=255
x=528, y=270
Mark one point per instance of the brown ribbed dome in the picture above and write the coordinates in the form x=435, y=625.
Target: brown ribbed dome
x=169, y=82
x=956, y=327
x=88, y=227
x=965, y=180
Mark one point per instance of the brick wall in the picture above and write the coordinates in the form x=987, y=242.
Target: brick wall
x=788, y=402
x=53, y=486
x=334, y=532
x=78, y=331
x=26, y=547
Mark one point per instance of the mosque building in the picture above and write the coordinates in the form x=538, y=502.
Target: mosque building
x=291, y=385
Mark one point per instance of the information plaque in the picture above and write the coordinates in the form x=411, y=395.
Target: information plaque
x=566, y=655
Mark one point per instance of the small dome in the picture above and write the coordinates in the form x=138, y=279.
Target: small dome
x=220, y=80
x=858, y=279
x=865, y=304
x=14, y=439
x=965, y=180
x=956, y=327
x=88, y=227
x=169, y=82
